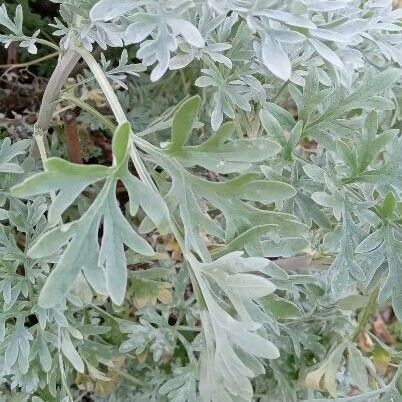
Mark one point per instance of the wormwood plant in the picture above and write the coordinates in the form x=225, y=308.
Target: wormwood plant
x=281, y=157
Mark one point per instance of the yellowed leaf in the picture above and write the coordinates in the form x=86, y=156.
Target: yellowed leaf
x=165, y=296
x=143, y=356
x=381, y=359
x=313, y=379
x=147, y=292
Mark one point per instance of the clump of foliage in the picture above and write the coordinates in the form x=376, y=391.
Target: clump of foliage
x=191, y=268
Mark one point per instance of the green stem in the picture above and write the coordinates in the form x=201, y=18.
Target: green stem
x=48, y=43
x=187, y=328
x=91, y=110
x=104, y=84
x=104, y=312
x=280, y=91
x=45, y=42
x=132, y=379
x=108, y=123
x=187, y=346
x=366, y=313
x=116, y=109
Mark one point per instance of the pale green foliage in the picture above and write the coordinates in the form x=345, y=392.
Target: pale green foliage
x=302, y=158
x=278, y=38
x=105, y=266
x=16, y=28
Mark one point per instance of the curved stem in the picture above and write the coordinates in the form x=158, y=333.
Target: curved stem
x=132, y=379
x=62, y=71
x=103, y=82
x=48, y=43
x=59, y=77
x=116, y=109
x=89, y=109
x=15, y=38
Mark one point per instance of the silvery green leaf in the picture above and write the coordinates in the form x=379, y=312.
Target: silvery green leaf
x=281, y=307
x=83, y=235
x=71, y=353
x=371, y=85
x=282, y=116
x=3, y=214
x=328, y=35
x=139, y=30
x=44, y=354
x=160, y=339
x=51, y=241
x=224, y=334
x=151, y=201
x=19, y=18
x=11, y=168
x=117, y=233
x=182, y=387
x=220, y=155
x=107, y=10
x=357, y=368
x=325, y=5
x=250, y=236
x=228, y=95
x=248, y=184
x=261, y=190
x=248, y=286
x=329, y=201
x=286, y=36
x=5, y=19
x=315, y=173
x=327, y=53
x=158, y=48
x=73, y=259
x=180, y=61
x=190, y=33
x=120, y=73
x=9, y=152
x=109, y=260
x=11, y=353
x=204, y=82
x=346, y=266
x=287, y=18
x=286, y=247
x=75, y=179
x=183, y=122
x=311, y=211
x=276, y=60
x=221, y=363
x=271, y=125
x=224, y=7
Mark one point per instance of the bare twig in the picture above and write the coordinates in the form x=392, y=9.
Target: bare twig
x=72, y=137
x=13, y=66
x=63, y=69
